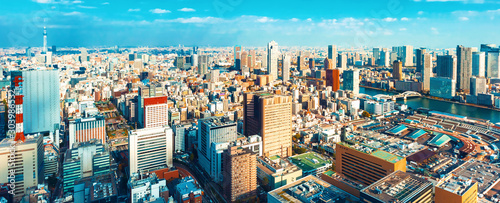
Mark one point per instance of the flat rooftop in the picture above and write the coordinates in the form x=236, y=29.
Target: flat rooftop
x=309, y=161
x=397, y=187
x=387, y=156
x=487, y=175
x=311, y=189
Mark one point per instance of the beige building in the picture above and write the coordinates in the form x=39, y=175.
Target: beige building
x=240, y=173
x=277, y=172
x=270, y=116
x=25, y=164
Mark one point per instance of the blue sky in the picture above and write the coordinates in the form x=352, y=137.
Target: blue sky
x=355, y=23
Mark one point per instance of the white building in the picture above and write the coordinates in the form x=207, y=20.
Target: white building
x=150, y=149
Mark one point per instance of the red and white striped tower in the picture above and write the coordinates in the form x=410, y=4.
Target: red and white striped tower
x=19, y=109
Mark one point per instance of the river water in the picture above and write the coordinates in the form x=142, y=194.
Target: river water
x=448, y=107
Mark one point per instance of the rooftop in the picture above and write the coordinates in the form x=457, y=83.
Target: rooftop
x=311, y=189
x=309, y=161
x=397, y=187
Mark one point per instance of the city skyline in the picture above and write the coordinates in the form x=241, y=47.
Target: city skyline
x=429, y=23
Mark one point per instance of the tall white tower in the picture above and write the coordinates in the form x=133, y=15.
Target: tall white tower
x=272, y=59
x=44, y=40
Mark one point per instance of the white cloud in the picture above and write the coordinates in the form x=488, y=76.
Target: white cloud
x=265, y=20
x=86, y=7
x=43, y=1
x=404, y=19
x=187, y=10
x=209, y=20
x=434, y=30
x=105, y=3
x=463, y=18
x=134, y=9
x=402, y=29
x=74, y=13
x=389, y=19
x=420, y=13
x=159, y=11
x=294, y=19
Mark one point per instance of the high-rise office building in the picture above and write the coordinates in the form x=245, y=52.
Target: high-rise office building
x=446, y=66
x=333, y=79
x=385, y=58
x=407, y=56
x=420, y=59
x=203, y=64
x=397, y=70
x=150, y=149
x=270, y=117
x=286, y=68
x=464, y=67
x=179, y=62
x=150, y=99
x=301, y=62
x=478, y=85
x=240, y=173
x=214, y=135
x=85, y=159
x=41, y=100
x=342, y=62
x=351, y=80
x=86, y=129
x=25, y=166
x=443, y=87
x=332, y=54
x=251, y=59
x=28, y=52
x=376, y=55
x=84, y=56
x=493, y=65
x=244, y=60
x=479, y=64
x=312, y=63
x=365, y=164
x=272, y=59
x=426, y=71
x=237, y=55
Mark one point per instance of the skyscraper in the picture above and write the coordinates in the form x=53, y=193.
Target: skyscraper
x=240, y=173
x=150, y=149
x=397, y=70
x=270, y=117
x=478, y=64
x=478, y=85
x=237, y=56
x=351, y=80
x=464, y=67
x=214, y=135
x=376, y=55
x=342, y=62
x=272, y=59
x=447, y=66
x=426, y=71
x=420, y=59
x=84, y=55
x=244, y=60
x=28, y=168
x=312, y=63
x=333, y=79
x=385, y=58
x=203, y=64
x=286, y=68
x=407, y=56
x=41, y=100
x=332, y=54
x=493, y=64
